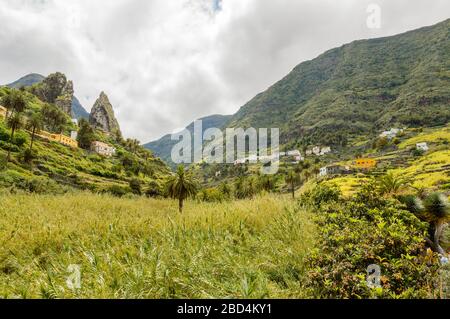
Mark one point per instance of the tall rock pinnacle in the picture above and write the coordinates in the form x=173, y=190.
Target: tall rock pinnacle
x=102, y=115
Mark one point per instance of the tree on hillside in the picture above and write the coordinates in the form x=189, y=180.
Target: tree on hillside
x=54, y=118
x=35, y=124
x=181, y=186
x=391, y=184
x=132, y=145
x=437, y=209
x=14, y=123
x=292, y=179
x=14, y=102
x=86, y=134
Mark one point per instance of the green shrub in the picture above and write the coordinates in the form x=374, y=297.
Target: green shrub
x=211, y=195
x=20, y=138
x=319, y=195
x=154, y=189
x=369, y=230
x=118, y=191
x=135, y=186
x=6, y=145
x=27, y=156
x=4, y=134
x=42, y=185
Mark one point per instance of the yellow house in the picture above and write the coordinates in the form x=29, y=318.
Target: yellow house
x=65, y=140
x=2, y=111
x=365, y=163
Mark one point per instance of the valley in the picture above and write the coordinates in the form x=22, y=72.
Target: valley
x=362, y=179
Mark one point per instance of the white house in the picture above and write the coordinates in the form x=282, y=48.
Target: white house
x=73, y=135
x=323, y=171
x=103, y=148
x=325, y=150
x=316, y=150
x=294, y=153
x=333, y=170
x=391, y=133
x=422, y=146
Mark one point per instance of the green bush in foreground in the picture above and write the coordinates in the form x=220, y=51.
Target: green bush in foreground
x=368, y=230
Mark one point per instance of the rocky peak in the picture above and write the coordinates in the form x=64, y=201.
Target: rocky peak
x=102, y=115
x=56, y=89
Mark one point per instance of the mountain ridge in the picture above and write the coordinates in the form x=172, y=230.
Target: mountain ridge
x=361, y=87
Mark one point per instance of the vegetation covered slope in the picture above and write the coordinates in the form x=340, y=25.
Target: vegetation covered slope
x=50, y=167
x=163, y=146
x=358, y=88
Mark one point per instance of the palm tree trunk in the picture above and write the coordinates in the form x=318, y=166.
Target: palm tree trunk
x=8, y=157
x=180, y=205
x=437, y=236
x=32, y=138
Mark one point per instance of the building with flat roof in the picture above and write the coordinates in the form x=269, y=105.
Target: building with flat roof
x=102, y=148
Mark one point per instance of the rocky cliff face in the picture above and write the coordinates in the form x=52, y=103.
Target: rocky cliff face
x=78, y=111
x=102, y=115
x=56, y=89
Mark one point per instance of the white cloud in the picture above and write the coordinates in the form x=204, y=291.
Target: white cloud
x=166, y=63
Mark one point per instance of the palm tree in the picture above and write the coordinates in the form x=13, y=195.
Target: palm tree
x=35, y=124
x=14, y=102
x=181, y=186
x=292, y=179
x=438, y=214
x=391, y=184
x=14, y=122
x=132, y=145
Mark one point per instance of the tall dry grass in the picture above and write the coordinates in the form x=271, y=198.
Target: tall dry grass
x=143, y=248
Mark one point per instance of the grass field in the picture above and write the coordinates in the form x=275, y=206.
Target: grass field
x=143, y=248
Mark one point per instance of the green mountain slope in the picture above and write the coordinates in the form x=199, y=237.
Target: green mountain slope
x=78, y=111
x=163, y=147
x=359, y=88
x=55, y=168
x=27, y=80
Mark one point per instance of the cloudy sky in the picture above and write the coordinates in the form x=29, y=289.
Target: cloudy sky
x=165, y=63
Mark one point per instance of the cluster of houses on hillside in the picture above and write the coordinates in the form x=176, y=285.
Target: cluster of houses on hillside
x=358, y=164
x=295, y=155
x=318, y=151
x=96, y=146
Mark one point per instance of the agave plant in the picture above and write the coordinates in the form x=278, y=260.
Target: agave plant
x=437, y=209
